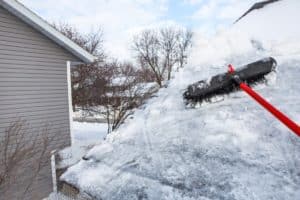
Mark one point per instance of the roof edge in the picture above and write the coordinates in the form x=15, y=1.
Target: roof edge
x=28, y=16
x=256, y=6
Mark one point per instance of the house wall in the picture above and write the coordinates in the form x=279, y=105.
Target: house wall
x=33, y=87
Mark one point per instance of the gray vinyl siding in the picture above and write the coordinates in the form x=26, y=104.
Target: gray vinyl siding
x=33, y=87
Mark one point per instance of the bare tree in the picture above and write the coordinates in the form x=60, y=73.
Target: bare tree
x=168, y=47
x=147, y=47
x=184, y=39
x=160, y=50
x=83, y=75
x=117, y=91
x=21, y=151
x=92, y=41
x=145, y=75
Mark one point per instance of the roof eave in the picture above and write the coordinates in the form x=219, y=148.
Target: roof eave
x=41, y=25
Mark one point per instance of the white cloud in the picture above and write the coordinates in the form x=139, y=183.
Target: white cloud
x=120, y=19
x=235, y=9
x=213, y=15
x=193, y=2
x=116, y=17
x=206, y=11
x=221, y=9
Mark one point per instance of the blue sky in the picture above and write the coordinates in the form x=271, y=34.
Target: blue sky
x=121, y=19
x=207, y=15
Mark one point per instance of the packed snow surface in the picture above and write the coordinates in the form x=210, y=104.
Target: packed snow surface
x=230, y=149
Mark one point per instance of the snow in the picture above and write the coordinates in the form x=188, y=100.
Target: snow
x=121, y=80
x=230, y=149
x=276, y=26
x=84, y=136
x=57, y=196
x=278, y=20
x=88, y=133
x=94, y=114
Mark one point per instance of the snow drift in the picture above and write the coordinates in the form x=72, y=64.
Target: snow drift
x=276, y=21
x=231, y=149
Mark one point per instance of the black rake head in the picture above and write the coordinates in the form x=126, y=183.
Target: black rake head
x=252, y=74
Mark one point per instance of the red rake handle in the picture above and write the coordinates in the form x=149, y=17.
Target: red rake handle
x=278, y=114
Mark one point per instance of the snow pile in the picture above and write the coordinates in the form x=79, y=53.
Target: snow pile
x=55, y=196
x=275, y=25
x=231, y=149
x=84, y=137
x=87, y=133
x=276, y=20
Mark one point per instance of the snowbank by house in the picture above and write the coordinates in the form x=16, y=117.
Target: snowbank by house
x=84, y=136
x=88, y=133
x=231, y=149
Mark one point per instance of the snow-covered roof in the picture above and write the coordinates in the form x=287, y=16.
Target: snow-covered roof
x=274, y=22
x=230, y=148
x=19, y=10
x=256, y=6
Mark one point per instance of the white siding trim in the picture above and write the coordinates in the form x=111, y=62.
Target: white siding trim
x=70, y=99
x=38, y=23
x=53, y=168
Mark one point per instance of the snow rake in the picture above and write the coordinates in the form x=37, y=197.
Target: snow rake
x=240, y=79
